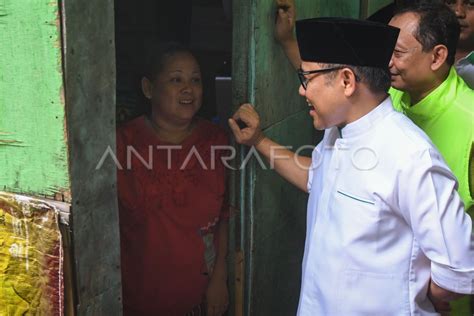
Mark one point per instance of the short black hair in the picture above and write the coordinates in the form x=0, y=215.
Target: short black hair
x=156, y=56
x=437, y=25
x=377, y=79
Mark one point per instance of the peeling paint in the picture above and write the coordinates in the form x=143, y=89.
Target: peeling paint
x=10, y=142
x=3, y=10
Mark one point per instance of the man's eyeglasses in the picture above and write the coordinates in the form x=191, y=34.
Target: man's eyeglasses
x=302, y=74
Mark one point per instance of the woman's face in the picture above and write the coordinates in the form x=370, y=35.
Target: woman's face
x=176, y=92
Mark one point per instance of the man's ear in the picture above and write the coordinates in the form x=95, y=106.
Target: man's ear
x=147, y=87
x=348, y=81
x=439, y=56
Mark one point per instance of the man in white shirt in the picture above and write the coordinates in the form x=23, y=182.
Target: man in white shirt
x=386, y=230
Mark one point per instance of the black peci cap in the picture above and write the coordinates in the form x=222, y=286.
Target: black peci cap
x=346, y=41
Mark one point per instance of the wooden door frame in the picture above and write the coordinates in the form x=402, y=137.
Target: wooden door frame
x=89, y=75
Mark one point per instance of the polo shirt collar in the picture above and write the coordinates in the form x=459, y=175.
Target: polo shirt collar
x=434, y=103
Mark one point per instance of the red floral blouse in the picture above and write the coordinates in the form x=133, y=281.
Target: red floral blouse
x=171, y=197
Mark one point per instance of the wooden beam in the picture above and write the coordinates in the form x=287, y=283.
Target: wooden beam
x=89, y=53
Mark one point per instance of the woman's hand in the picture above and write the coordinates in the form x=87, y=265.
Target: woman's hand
x=217, y=295
x=250, y=135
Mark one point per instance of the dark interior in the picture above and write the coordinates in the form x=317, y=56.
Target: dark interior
x=203, y=25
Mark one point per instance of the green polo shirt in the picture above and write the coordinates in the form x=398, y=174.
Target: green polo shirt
x=447, y=117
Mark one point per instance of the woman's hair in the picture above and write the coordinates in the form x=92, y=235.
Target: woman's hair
x=157, y=55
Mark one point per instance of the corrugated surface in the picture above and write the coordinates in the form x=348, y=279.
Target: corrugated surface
x=33, y=154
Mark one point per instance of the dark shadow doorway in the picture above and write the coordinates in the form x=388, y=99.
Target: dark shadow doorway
x=203, y=25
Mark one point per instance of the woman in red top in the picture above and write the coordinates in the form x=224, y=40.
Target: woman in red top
x=171, y=188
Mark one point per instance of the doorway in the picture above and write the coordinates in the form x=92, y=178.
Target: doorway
x=203, y=25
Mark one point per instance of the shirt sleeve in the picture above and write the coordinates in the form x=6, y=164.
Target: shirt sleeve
x=430, y=204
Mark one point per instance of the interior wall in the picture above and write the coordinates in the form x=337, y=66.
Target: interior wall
x=137, y=23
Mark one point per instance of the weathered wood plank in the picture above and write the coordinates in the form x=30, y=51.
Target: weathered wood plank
x=90, y=99
x=279, y=220
x=33, y=150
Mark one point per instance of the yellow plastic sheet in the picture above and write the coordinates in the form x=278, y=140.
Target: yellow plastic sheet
x=31, y=277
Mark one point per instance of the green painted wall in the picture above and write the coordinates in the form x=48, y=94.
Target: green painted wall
x=33, y=152
x=270, y=228
x=347, y=8
x=38, y=155
x=279, y=226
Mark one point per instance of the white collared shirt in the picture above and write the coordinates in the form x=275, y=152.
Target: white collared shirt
x=383, y=218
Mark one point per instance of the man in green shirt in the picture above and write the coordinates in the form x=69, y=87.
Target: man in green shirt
x=427, y=89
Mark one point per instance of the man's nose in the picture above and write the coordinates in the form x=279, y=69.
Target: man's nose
x=302, y=91
x=460, y=9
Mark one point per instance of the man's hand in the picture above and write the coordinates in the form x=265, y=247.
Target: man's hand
x=284, y=31
x=285, y=22
x=251, y=134
x=290, y=166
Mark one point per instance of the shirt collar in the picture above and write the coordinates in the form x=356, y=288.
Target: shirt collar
x=434, y=103
x=364, y=123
